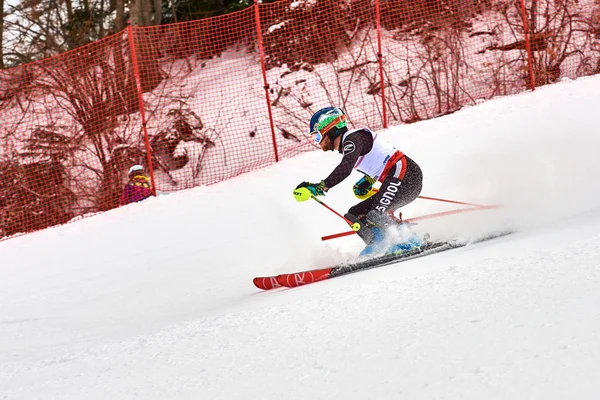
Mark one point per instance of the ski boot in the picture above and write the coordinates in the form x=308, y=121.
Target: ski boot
x=377, y=246
x=387, y=222
x=373, y=236
x=412, y=243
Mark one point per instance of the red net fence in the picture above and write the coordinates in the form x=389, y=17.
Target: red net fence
x=199, y=102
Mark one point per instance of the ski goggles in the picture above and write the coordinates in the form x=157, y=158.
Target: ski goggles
x=317, y=136
x=320, y=134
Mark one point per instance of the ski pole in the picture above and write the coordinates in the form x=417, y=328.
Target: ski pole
x=427, y=216
x=375, y=190
x=302, y=194
x=333, y=211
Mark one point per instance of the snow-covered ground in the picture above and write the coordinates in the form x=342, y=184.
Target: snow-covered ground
x=155, y=300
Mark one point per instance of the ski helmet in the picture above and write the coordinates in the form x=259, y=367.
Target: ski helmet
x=329, y=121
x=136, y=170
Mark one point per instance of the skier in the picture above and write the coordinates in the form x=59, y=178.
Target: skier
x=401, y=180
x=138, y=188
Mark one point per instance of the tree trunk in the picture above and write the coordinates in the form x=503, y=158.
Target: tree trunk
x=146, y=12
x=120, y=17
x=101, y=27
x=145, y=48
x=135, y=13
x=142, y=14
x=69, y=6
x=2, y=35
x=157, y=12
x=124, y=81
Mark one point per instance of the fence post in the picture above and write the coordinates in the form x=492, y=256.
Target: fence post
x=138, y=85
x=528, y=45
x=380, y=59
x=261, y=51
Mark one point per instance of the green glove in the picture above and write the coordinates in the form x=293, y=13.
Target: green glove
x=363, y=187
x=317, y=189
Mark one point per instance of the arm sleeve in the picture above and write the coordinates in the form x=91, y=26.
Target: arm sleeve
x=355, y=145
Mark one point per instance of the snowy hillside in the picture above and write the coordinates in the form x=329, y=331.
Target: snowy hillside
x=155, y=300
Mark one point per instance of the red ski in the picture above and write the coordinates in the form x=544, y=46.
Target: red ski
x=316, y=275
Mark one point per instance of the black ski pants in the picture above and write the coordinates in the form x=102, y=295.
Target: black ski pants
x=394, y=192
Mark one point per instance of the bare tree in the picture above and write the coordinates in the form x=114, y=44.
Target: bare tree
x=36, y=29
x=339, y=81
x=554, y=29
x=95, y=89
x=33, y=195
x=146, y=12
x=119, y=15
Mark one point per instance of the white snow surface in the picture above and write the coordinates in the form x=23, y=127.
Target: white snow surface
x=155, y=300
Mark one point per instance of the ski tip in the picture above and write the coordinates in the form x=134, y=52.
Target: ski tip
x=291, y=280
x=303, y=278
x=266, y=282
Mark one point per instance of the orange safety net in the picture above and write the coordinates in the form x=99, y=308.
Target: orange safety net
x=199, y=102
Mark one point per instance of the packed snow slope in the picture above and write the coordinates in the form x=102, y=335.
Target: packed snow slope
x=155, y=300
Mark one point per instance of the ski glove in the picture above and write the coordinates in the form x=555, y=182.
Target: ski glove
x=316, y=189
x=363, y=187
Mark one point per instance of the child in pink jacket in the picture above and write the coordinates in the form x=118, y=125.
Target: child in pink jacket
x=138, y=188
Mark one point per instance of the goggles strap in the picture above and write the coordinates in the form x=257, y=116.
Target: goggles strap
x=333, y=123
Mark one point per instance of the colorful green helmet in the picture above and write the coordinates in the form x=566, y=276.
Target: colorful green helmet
x=321, y=122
